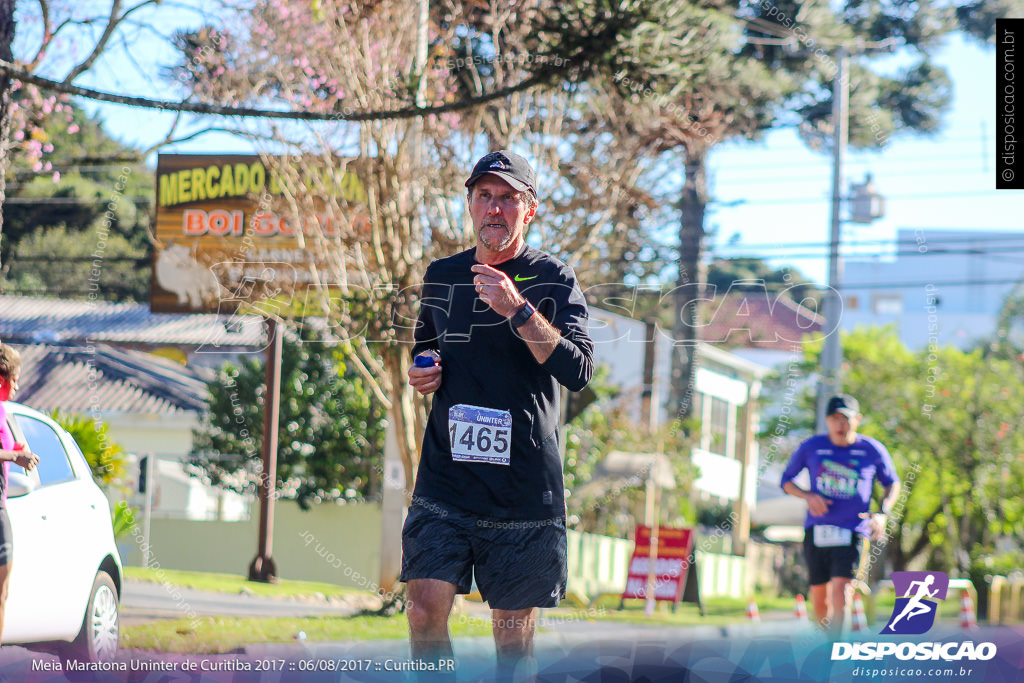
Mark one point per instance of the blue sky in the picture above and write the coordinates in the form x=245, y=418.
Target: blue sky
x=769, y=195
x=941, y=182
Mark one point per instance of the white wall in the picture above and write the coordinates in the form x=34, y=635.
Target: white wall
x=968, y=272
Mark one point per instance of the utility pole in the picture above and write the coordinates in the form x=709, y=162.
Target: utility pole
x=830, y=381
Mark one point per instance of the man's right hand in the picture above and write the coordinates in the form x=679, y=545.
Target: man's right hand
x=817, y=505
x=425, y=380
x=25, y=458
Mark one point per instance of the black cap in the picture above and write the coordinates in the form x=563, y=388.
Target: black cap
x=843, y=404
x=508, y=166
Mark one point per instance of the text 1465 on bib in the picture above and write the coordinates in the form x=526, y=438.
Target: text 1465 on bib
x=479, y=434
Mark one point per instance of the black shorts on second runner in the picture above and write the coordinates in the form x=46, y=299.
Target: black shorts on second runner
x=830, y=563
x=518, y=564
x=6, y=547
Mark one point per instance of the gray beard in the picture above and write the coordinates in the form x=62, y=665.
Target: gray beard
x=496, y=246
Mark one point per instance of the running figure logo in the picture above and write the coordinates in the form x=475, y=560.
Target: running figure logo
x=916, y=602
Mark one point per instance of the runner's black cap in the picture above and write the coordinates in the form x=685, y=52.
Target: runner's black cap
x=843, y=404
x=508, y=166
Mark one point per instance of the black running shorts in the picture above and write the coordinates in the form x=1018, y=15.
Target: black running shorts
x=518, y=564
x=6, y=549
x=824, y=564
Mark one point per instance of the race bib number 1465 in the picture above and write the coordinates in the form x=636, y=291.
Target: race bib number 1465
x=479, y=434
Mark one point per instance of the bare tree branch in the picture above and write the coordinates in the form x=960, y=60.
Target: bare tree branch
x=169, y=139
x=44, y=9
x=112, y=22
x=249, y=112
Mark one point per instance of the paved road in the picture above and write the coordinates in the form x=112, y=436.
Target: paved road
x=145, y=601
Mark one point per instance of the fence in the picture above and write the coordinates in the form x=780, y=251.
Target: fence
x=1005, y=600
x=341, y=545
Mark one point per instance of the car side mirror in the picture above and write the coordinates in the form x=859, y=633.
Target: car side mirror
x=19, y=484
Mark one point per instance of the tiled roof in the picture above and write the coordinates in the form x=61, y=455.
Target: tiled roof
x=98, y=378
x=28, y=319
x=757, y=320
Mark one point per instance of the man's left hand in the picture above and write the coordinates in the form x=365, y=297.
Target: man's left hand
x=497, y=290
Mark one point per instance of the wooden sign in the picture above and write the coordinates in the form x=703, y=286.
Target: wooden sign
x=673, y=564
x=227, y=238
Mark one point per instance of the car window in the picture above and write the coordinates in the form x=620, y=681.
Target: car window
x=18, y=469
x=44, y=442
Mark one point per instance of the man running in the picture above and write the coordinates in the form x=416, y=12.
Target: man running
x=506, y=324
x=843, y=467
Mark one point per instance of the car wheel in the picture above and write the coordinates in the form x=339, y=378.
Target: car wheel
x=98, y=639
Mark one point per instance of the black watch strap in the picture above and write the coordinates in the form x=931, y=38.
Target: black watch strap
x=520, y=317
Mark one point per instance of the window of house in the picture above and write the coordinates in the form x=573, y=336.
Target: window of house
x=718, y=426
x=888, y=304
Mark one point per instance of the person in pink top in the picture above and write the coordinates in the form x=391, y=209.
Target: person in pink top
x=19, y=454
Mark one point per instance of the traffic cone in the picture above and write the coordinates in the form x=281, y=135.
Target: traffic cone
x=752, y=611
x=858, y=621
x=801, y=608
x=967, y=618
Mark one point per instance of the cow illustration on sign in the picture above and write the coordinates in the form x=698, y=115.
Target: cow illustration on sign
x=178, y=272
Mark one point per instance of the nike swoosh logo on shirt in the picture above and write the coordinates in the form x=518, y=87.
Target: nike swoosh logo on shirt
x=519, y=278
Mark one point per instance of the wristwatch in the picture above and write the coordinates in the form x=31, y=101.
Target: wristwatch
x=520, y=317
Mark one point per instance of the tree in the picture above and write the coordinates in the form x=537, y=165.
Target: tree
x=681, y=102
x=409, y=207
x=105, y=458
x=55, y=260
x=78, y=229
x=23, y=104
x=616, y=508
x=87, y=167
x=331, y=428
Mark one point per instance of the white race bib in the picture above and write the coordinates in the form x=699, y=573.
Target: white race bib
x=480, y=434
x=826, y=536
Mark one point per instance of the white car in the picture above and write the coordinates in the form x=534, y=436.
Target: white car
x=65, y=571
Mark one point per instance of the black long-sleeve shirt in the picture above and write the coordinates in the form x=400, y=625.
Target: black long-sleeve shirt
x=486, y=364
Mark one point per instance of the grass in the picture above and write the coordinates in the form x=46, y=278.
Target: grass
x=234, y=583
x=718, y=611
x=219, y=635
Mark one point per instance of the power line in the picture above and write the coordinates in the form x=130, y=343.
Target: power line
x=931, y=283
x=889, y=159
x=903, y=174
x=815, y=200
x=1010, y=237
x=70, y=200
x=805, y=256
